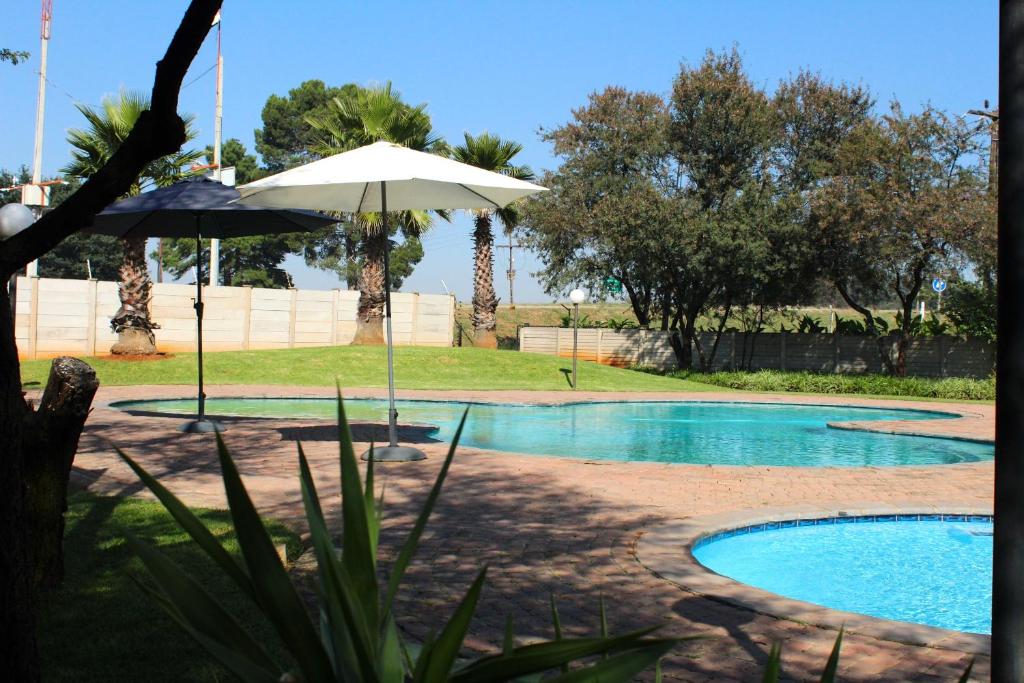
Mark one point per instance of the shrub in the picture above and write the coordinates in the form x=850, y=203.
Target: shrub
x=955, y=388
x=972, y=308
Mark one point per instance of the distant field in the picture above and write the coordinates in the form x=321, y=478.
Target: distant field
x=550, y=315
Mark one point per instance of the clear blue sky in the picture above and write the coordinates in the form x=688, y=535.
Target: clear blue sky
x=500, y=66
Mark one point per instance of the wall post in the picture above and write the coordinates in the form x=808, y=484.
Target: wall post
x=246, y=315
x=292, y=310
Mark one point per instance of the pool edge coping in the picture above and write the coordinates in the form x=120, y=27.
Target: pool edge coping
x=951, y=412
x=667, y=552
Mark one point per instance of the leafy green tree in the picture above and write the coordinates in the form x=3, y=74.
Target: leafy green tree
x=971, y=307
x=905, y=199
x=286, y=138
x=693, y=205
x=107, y=128
x=358, y=118
x=338, y=249
x=605, y=212
x=255, y=260
x=490, y=153
x=817, y=117
x=234, y=153
x=721, y=138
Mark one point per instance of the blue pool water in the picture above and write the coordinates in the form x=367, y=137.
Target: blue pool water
x=671, y=432
x=937, y=573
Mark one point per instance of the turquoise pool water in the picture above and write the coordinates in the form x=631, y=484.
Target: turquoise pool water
x=926, y=570
x=671, y=432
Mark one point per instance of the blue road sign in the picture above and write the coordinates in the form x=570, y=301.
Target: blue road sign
x=939, y=285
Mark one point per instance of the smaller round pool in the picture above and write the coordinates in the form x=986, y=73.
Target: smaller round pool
x=924, y=569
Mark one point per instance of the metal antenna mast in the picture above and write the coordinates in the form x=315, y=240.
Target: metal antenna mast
x=218, y=118
x=35, y=194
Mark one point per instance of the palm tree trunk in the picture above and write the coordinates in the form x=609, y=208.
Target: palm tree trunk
x=132, y=322
x=370, y=314
x=485, y=303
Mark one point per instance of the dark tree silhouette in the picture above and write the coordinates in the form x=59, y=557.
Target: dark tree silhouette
x=158, y=132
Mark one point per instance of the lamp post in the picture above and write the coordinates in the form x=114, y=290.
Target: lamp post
x=576, y=296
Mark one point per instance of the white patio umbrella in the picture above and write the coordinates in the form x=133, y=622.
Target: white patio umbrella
x=386, y=177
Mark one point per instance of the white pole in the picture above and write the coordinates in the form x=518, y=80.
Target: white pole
x=218, y=118
x=37, y=153
x=575, y=333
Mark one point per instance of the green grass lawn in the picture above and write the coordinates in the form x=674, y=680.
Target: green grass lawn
x=363, y=366
x=100, y=626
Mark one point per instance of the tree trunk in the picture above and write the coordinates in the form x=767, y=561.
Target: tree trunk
x=351, y=256
x=132, y=322
x=49, y=451
x=708, y=364
x=884, y=349
x=17, y=618
x=485, y=302
x=370, y=314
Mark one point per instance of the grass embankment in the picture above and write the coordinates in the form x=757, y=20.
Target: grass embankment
x=363, y=366
x=100, y=626
x=951, y=388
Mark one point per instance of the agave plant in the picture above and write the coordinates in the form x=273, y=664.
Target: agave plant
x=357, y=639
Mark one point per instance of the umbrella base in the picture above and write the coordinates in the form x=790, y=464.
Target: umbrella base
x=395, y=454
x=202, y=427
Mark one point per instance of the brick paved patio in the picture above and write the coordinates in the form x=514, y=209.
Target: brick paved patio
x=562, y=526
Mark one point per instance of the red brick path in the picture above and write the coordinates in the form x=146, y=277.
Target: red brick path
x=562, y=526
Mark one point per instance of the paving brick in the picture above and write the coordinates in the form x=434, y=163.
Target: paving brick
x=553, y=525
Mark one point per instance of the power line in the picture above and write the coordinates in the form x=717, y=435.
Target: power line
x=212, y=67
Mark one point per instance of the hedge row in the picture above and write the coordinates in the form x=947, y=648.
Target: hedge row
x=959, y=388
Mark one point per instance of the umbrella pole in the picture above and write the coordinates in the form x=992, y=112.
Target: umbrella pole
x=200, y=424
x=392, y=413
x=199, y=321
x=392, y=452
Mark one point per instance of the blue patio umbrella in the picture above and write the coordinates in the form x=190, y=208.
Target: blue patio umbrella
x=198, y=208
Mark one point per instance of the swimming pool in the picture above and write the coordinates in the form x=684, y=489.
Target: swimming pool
x=924, y=569
x=670, y=432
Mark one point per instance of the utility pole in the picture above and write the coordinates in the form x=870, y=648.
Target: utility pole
x=511, y=272
x=218, y=118
x=993, y=133
x=35, y=194
x=1008, y=541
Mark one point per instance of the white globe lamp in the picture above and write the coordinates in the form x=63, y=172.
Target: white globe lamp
x=14, y=218
x=576, y=296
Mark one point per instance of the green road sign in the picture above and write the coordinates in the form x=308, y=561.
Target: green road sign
x=613, y=285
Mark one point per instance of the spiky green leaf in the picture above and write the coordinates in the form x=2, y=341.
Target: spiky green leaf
x=358, y=548
x=829, y=674
x=351, y=645
x=207, y=542
x=405, y=555
x=198, y=609
x=274, y=590
x=773, y=666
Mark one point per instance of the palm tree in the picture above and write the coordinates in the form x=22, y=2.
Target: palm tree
x=108, y=126
x=367, y=116
x=490, y=153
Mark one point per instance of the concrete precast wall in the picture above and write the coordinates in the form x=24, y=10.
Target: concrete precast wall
x=72, y=317
x=926, y=356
